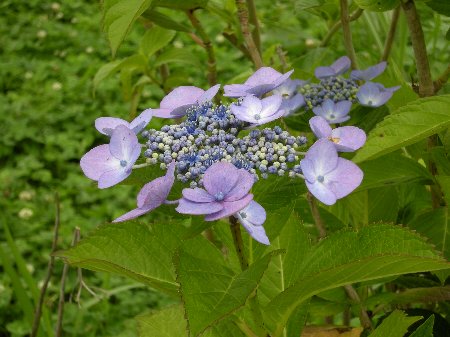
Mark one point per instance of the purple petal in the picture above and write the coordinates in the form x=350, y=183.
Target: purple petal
x=283, y=78
x=184, y=95
x=308, y=170
x=369, y=73
x=242, y=187
x=154, y=193
x=162, y=113
x=106, y=125
x=141, y=121
x=323, y=156
x=98, y=161
x=260, y=90
x=341, y=65
x=278, y=114
x=209, y=94
x=321, y=192
x=324, y=72
x=342, y=108
x=113, y=177
x=197, y=208
x=132, y=214
x=264, y=75
x=197, y=195
x=270, y=105
x=123, y=142
x=241, y=113
x=291, y=104
x=256, y=232
x=346, y=177
x=220, y=178
x=253, y=213
x=348, y=138
x=371, y=94
x=236, y=90
x=229, y=208
x=320, y=127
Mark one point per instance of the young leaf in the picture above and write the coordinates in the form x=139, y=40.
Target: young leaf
x=119, y=16
x=138, y=251
x=347, y=257
x=395, y=325
x=154, y=39
x=409, y=124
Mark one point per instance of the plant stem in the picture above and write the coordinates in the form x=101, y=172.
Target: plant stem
x=212, y=70
x=355, y=15
x=234, y=41
x=391, y=34
x=316, y=215
x=442, y=80
x=253, y=17
x=284, y=66
x=243, y=16
x=51, y=264
x=348, y=43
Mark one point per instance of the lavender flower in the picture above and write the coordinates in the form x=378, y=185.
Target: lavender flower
x=258, y=111
x=252, y=218
x=374, y=94
x=339, y=67
x=226, y=192
x=369, y=73
x=292, y=100
x=152, y=195
x=106, y=125
x=327, y=176
x=175, y=104
x=111, y=163
x=334, y=112
x=265, y=79
x=345, y=138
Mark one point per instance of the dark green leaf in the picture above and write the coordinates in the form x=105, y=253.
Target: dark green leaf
x=425, y=329
x=395, y=325
x=440, y=6
x=164, y=21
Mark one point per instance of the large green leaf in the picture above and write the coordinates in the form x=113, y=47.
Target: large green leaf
x=118, y=18
x=154, y=39
x=210, y=289
x=425, y=329
x=141, y=252
x=409, y=124
x=175, y=55
x=395, y=325
x=347, y=257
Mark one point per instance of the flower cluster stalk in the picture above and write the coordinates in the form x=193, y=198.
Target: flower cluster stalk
x=348, y=43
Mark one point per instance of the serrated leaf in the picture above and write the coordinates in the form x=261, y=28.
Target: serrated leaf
x=138, y=251
x=377, y=5
x=119, y=16
x=425, y=329
x=347, y=257
x=409, y=124
x=176, y=55
x=164, y=21
x=155, y=39
x=209, y=288
x=395, y=325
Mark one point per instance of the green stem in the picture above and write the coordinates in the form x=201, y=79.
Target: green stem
x=355, y=15
x=253, y=17
x=348, y=43
x=391, y=34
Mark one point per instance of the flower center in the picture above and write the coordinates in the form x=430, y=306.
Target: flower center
x=334, y=139
x=257, y=117
x=243, y=215
x=320, y=179
x=123, y=163
x=369, y=102
x=332, y=116
x=219, y=196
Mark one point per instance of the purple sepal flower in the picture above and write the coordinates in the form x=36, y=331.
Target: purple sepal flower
x=369, y=73
x=111, y=163
x=345, y=138
x=258, y=111
x=152, y=195
x=265, y=79
x=175, y=103
x=374, y=94
x=334, y=112
x=226, y=192
x=252, y=218
x=292, y=100
x=339, y=67
x=106, y=125
x=327, y=176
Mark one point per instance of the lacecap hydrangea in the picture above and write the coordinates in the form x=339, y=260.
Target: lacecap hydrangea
x=219, y=151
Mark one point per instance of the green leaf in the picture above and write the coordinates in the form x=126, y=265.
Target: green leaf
x=425, y=329
x=168, y=322
x=444, y=182
x=440, y=6
x=377, y=5
x=138, y=251
x=409, y=124
x=119, y=16
x=181, y=4
x=392, y=169
x=105, y=71
x=395, y=325
x=175, y=55
x=346, y=257
x=164, y=21
x=154, y=39
x=211, y=290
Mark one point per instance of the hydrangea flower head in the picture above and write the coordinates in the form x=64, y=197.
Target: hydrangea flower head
x=111, y=163
x=106, y=125
x=374, y=94
x=333, y=112
x=339, y=67
x=152, y=195
x=292, y=100
x=226, y=191
x=175, y=104
x=327, y=176
x=252, y=219
x=345, y=138
x=258, y=111
x=265, y=79
x=369, y=73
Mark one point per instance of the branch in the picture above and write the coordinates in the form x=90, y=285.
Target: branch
x=206, y=43
x=345, y=19
x=242, y=12
x=256, y=33
x=355, y=15
x=234, y=41
x=316, y=215
x=51, y=263
x=391, y=34
x=438, y=84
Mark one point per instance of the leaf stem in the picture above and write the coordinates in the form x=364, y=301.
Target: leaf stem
x=348, y=43
x=391, y=34
x=355, y=15
x=243, y=16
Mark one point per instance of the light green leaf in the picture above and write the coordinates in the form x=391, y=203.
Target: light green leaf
x=175, y=55
x=377, y=5
x=347, y=257
x=168, y=322
x=105, y=71
x=154, y=39
x=119, y=16
x=138, y=251
x=395, y=325
x=409, y=124
x=164, y=21
x=425, y=329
